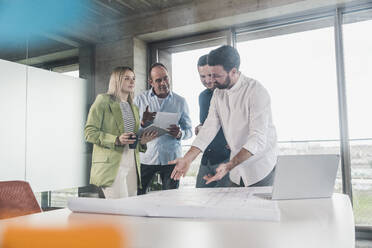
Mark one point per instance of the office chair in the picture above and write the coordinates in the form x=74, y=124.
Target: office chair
x=16, y=199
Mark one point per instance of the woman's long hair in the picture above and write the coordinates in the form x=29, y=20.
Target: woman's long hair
x=116, y=82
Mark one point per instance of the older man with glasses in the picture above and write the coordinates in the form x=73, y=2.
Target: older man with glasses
x=167, y=147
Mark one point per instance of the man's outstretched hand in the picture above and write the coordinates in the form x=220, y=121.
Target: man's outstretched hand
x=181, y=168
x=182, y=165
x=221, y=171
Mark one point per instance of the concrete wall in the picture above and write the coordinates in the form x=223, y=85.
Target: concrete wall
x=87, y=69
x=130, y=52
x=140, y=64
x=108, y=56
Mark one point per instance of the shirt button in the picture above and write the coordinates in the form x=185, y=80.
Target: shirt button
x=209, y=150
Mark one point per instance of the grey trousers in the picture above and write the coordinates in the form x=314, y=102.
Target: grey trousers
x=211, y=169
x=266, y=181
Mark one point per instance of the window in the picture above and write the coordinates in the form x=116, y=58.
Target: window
x=298, y=69
x=295, y=60
x=358, y=74
x=186, y=82
x=181, y=57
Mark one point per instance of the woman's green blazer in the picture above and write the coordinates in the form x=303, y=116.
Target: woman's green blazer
x=105, y=123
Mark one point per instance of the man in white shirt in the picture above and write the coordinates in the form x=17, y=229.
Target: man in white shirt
x=241, y=106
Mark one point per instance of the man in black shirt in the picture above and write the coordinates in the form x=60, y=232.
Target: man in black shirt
x=218, y=151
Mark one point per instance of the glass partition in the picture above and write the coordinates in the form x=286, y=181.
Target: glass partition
x=12, y=124
x=44, y=112
x=56, y=113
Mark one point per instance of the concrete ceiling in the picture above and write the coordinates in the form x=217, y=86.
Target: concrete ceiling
x=152, y=20
x=96, y=13
x=114, y=10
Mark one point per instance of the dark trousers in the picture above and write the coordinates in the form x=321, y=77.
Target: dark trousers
x=209, y=169
x=267, y=181
x=148, y=172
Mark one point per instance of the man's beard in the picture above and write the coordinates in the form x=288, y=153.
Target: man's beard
x=224, y=85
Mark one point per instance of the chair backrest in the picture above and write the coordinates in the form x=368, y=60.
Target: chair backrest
x=16, y=199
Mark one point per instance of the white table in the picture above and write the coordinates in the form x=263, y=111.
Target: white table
x=314, y=223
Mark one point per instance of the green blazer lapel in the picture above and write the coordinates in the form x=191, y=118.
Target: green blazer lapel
x=136, y=117
x=118, y=116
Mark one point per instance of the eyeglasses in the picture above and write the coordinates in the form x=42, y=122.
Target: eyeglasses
x=159, y=80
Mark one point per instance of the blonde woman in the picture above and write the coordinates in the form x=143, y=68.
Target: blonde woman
x=112, y=123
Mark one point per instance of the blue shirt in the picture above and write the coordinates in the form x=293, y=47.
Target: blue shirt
x=216, y=152
x=164, y=148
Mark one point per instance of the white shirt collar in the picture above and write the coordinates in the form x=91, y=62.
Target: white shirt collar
x=237, y=85
x=152, y=93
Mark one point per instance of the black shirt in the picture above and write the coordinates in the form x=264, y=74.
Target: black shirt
x=216, y=152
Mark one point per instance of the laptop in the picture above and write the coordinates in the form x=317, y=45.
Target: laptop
x=304, y=176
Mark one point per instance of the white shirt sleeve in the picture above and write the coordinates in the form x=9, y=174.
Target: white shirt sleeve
x=259, y=116
x=210, y=127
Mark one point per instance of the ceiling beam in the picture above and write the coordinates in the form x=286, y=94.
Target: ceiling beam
x=125, y=4
x=50, y=57
x=201, y=16
x=62, y=39
x=145, y=2
x=108, y=7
